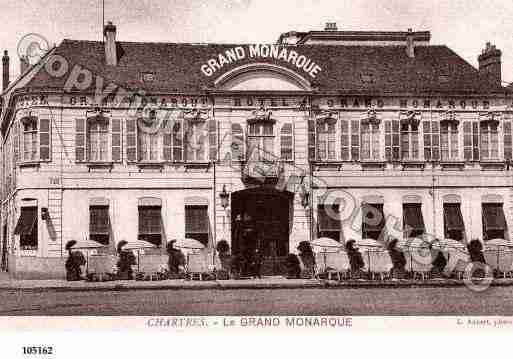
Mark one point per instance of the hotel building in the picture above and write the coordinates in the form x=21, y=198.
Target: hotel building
x=113, y=140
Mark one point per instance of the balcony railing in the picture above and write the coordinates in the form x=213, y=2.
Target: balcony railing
x=261, y=171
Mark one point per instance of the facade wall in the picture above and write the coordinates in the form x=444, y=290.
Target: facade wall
x=65, y=187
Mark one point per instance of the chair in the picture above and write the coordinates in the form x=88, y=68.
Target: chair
x=197, y=266
x=150, y=267
x=505, y=264
x=457, y=261
x=334, y=264
x=379, y=263
x=492, y=258
x=418, y=261
x=101, y=267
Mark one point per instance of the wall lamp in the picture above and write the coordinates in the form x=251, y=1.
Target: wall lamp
x=225, y=196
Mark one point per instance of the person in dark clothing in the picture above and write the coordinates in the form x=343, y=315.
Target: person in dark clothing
x=125, y=262
x=355, y=259
x=397, y=258
x=293, y=266
x=307, y=258
x=74, y=262
x=176, y=260
x=256, y=264
x=439, y=261
x=475, y=250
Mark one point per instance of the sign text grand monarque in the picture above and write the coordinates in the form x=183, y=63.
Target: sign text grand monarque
x=261, y=51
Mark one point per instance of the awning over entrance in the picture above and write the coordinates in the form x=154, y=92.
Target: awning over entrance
x=493, y=217
x=26, y=221
x=412, y=217
x=453, y=218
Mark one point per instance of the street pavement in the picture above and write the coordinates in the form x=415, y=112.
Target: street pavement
x=281, y=301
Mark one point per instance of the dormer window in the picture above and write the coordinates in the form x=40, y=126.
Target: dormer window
x=148, y=76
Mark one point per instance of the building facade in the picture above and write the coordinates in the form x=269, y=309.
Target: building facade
x=337, y=134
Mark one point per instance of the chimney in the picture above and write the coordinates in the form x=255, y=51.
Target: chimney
x=5, y=70
x=24, y=64
x=410, y=44
x=331, y=26
x=111, y=56
x=490, y=64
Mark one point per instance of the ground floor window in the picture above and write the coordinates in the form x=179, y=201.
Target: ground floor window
x=150, y=224
x=99, y=224
x=413, y=222
x=454, y=227
x=494, y=221
x=328, y=219
x=373, y=220
x=196, y=223
x=26, y=228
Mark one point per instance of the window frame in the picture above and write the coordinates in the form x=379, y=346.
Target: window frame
x=453, y=146
x=374, y=142
x=96, y=120
x=190, y=131
x=260, y=138
x=486, y=129
x=197, y=234
x=142, y=232
x=328, y=138
x=95, y=225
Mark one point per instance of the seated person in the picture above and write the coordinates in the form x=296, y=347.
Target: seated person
x=355, y=259
x=74, y=262
x=398, y=260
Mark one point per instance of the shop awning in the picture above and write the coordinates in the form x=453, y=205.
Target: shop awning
x=453, y=218
x=493, y=217
x=328, y=218
x=373, y=217
x=27, y=221
x=412, y=217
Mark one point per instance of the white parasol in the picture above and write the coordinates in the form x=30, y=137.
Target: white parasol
x=188, y=243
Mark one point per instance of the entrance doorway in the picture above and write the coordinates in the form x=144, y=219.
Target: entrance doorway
x=261, y=220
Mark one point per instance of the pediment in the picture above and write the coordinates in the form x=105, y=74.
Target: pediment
x=262, y=77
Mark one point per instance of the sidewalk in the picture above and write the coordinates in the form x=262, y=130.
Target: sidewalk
x=265, y=283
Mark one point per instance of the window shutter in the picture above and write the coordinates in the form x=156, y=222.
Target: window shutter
x=507, y=140
x=287, y=142
x=238, y=152
x=167, y=139
x=355, y=140
x=131, y=140
x=178, y=141
x=44, y=139
x=212, y=139
x=344, y=140
x=16, y=139
x=80, y=140
x=116, y=139
x=312, y=137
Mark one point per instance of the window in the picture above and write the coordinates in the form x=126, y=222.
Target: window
x=30, y=140
x=287, y=142
x=373, y=220
x=431, y=140
x=494, y=221
x=35, y=140
x=413, y=221
x=99, y=224
x=196, y=141
x=326, y=143
x=489, y=135
x=328, y=219
x=150, y=224
x=392, y=144
x=26, y=228
x=410, y=141
x=148, y=145
x=196, y=223
x=177, y=134
x=471, y=141
x=355, y=140
x=370, y=141
x=454, y=227
x=449, y=140
x=98, y=139
x=261, y=141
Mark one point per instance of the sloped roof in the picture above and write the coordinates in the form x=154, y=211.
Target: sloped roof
x=434, y=69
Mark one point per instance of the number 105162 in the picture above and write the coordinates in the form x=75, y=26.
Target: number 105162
x=35, y=350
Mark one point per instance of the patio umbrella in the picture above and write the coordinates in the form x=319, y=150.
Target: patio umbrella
x=498, y=242
x=327, y=244
x=369, y=243
x=85, y=244
x=138, y=244
x=189, y=243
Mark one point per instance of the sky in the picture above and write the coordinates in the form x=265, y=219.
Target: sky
x=463, y=25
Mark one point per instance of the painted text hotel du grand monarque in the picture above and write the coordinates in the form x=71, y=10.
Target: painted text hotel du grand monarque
x=113, y=140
